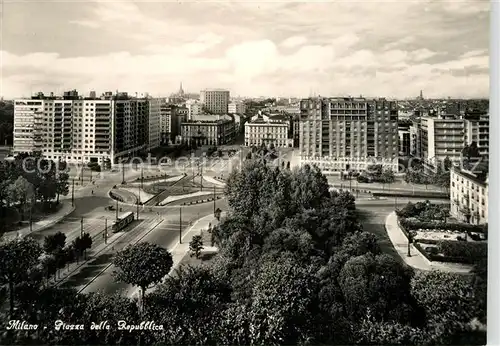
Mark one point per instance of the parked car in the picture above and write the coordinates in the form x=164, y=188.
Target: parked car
x=363, y=179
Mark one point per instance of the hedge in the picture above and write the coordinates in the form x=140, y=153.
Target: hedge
x=440, y=258
x=463, y=249
x=460, y=227
x=454, y=251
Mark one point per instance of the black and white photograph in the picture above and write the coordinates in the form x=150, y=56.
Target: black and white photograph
x=246, y=172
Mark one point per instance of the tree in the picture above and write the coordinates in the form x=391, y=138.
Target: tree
x=283, y=307
x=363, y=278
x=17, y=257
x=111, y=308
x=21, y=191
x=142, y=265
x=445, y=296
x=62, y=186
x=196, y=245
x=86, y=243
x=387, y=176
x=53, y=243
x=191, y=302
x=78, y=247
x=447, y=163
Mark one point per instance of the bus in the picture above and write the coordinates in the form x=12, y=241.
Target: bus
x=123, y=221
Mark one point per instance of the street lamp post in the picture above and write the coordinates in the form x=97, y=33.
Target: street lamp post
x=409, y=242
x=123, y=173
x=214, y=199
x=81, y=227
x=31, y=215
x=201, y=177
x=142, y=177
x=116, y=210
x=180, y=225
x=105, y=231
x=73, y=193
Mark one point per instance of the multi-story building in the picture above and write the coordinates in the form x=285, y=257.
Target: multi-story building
x=404, y=142
x=155, y=107
x=237, y=107
x=81, y=130
x=441, y=137
x=469, y=195
x=215, y=101
x=260, y=131
x=477, y=129
x=170, y=123
x=194, y=108
x=208, y=130
x=341, y=134
x=165, y=123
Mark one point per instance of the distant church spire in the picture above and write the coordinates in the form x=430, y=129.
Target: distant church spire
x=181, y=91
x=421, y=95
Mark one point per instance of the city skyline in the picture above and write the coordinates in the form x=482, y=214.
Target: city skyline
x=281, y=48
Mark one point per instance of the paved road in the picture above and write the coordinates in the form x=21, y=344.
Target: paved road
x=372, y=215
x=165, y=235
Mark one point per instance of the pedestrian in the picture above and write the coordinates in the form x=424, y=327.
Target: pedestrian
x=92, y=191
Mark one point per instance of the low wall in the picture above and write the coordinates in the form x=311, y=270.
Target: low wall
x=416, y=194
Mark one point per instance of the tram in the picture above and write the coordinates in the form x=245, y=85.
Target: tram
x=123, y=221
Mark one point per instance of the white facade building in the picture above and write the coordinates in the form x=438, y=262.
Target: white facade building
x=469, y=196
x=81, y=130
x=260, y=131
x=237, y=107
x=194, y=107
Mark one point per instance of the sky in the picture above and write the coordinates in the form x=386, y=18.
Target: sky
x=262, y=48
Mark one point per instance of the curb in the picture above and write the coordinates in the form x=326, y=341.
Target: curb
x=211, y=199
x=174, y=266
x=42, y=228
x=110, y=264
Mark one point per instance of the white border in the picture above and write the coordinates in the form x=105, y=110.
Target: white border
x=494, y=208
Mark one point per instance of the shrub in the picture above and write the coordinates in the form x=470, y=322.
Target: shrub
x=460, y=227
x=473, y=251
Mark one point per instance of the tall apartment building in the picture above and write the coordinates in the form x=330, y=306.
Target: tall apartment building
x=441, y=137
x=194, y=108
x=216, y=101
x=170, y=122
x=154, y=120
x=477, y=129
x=341, y=134
x=469, y=196
x=237, y=107
x=81, y=130
x=208, y=130
x=404, y=142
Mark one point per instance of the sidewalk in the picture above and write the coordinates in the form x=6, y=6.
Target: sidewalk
x=214, y=181
x=41, y=225
x=417, y=260
x=74, y=268
x=180, y=250
x=111, y=247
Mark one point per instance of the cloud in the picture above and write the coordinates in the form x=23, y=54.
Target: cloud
x=333, y=48
x=294, y=41
x=86, y=23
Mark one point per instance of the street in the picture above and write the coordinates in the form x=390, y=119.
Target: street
x=160, y=225
x=372, y=215
x=166, y=234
